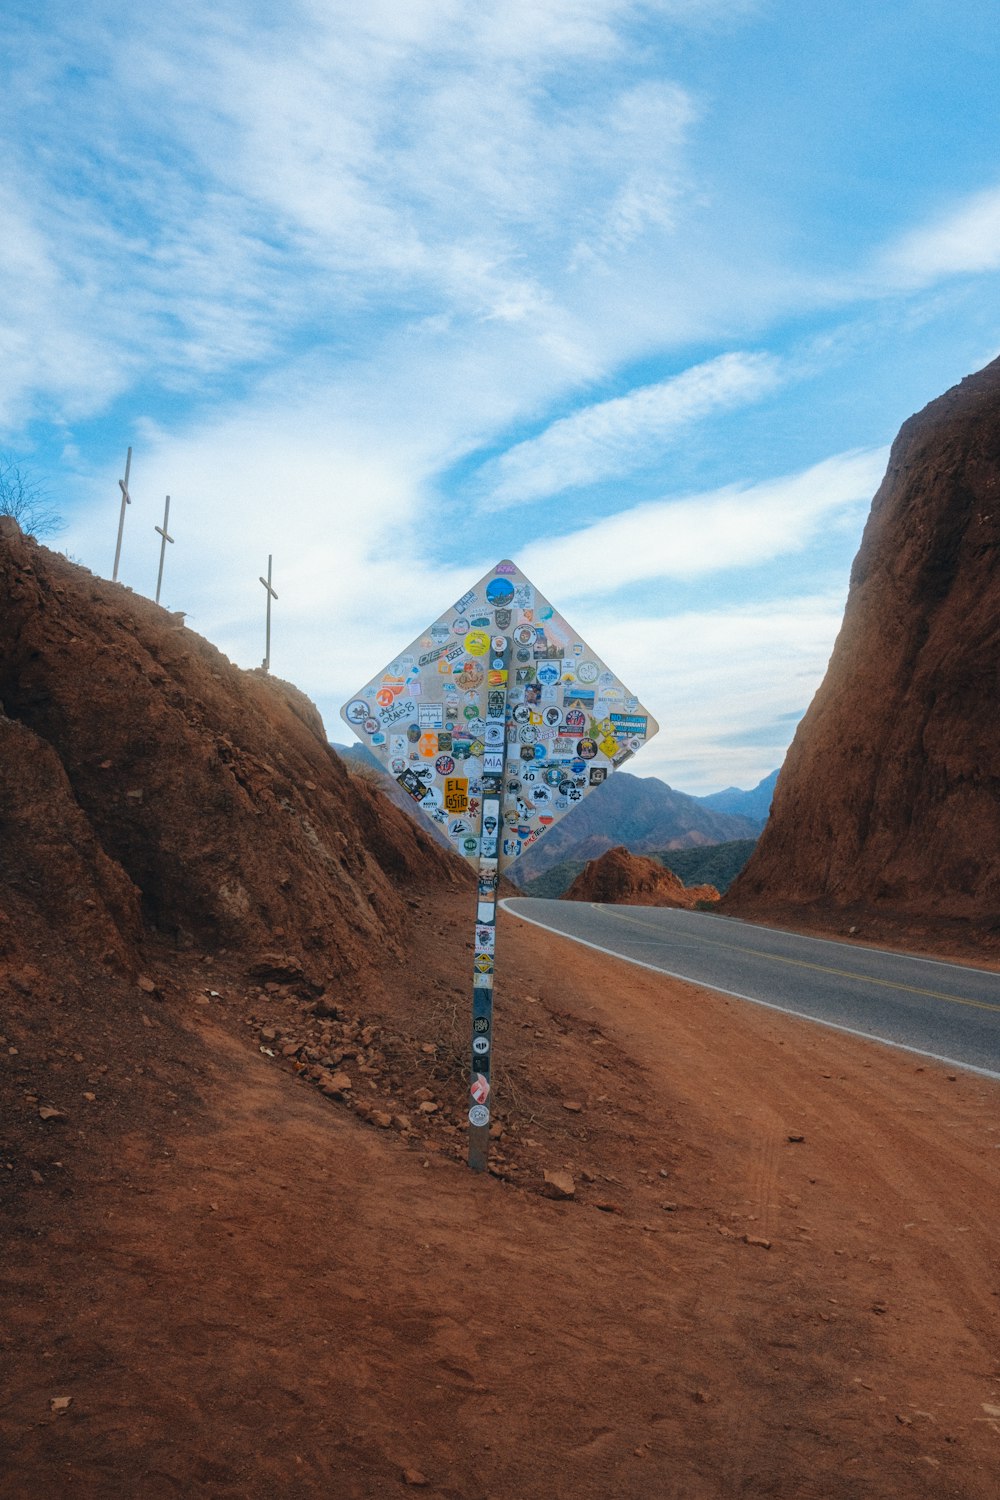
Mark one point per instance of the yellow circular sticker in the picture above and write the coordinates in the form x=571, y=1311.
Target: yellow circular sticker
x=477, y=643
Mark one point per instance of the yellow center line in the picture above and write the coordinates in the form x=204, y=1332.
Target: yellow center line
x=799, y=963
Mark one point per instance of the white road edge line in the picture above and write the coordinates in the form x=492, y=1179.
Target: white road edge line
x=865, y=1036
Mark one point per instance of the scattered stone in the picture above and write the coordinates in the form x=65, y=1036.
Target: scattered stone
x=758, y=1240
x=422, y=1095
x=338, y=1083
x=146, y=984
x=37, y=1178
x=669, y=1208
x=381, y=1119
x=796, y=1139
x=60, y=1403
x=560, y=1182
x=700, y=1398
x=415, y=1478
x=607, y=1207
x=428, y=1107
x=573, y=1105
x=49, y=1112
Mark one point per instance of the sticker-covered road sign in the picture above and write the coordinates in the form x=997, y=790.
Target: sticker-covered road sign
x=569, y=721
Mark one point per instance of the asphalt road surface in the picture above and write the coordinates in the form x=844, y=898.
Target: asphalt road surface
x=940, y=1010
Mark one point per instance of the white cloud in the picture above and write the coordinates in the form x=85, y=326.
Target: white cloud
x=703, y=534
x=714, y=679
x=618, y=436
x=964, y=239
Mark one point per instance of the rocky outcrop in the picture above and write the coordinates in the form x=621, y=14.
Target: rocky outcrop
x=144, y=772
x=634, y=880
x=889, y=799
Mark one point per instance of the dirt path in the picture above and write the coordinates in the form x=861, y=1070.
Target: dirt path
x=275, y=1299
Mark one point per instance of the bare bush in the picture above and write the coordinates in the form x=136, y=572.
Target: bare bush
x=27, y=501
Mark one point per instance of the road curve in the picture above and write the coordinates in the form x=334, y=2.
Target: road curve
x=943, y=1011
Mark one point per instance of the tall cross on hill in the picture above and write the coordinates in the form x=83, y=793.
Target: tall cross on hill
x=266, y=663
x=126, y=500
x=165, y=537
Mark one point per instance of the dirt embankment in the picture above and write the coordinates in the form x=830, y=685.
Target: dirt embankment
x=888, y=805
x=635, y=880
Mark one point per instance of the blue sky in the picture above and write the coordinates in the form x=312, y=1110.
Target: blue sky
x=636, y=292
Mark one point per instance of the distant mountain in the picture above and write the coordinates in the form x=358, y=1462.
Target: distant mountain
x=755, y=804
x=642, y=812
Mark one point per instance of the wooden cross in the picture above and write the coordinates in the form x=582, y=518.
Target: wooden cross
x=165, y=537
x=126, y=500
x=266, y=663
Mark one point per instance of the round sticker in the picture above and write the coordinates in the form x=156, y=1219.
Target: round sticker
x=480, y=1045
x=460, y=626
x=477, y=643
x=586, y=749
x=384, y=697
x=547, y=673
x=588, y=671
x=357, y=711
x=371, y=726
x=479, y=1115
x=499, y=645
x=444, y=765
x=499, y=591
x=470, y=845
x=575, y=719
x=524, y=635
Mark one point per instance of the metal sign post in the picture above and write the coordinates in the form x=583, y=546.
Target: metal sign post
x=497, y=720
x=266, y=663
x=484, y=944
x=126, y=500
x=165, y=537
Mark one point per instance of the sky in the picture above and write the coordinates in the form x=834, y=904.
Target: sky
x=634, y=292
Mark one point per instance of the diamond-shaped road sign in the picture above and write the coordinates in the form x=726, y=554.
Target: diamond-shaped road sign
x=568, y=721
x=497, y=720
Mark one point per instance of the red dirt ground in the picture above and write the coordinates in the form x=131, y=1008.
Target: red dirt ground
x=778, y=1276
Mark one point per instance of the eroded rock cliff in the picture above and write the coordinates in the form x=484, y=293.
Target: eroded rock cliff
x=889, y=800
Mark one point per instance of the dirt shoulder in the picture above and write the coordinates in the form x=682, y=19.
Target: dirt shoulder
x=777, y=1277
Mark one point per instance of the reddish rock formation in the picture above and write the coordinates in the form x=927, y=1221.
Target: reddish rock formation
x=889, y=800
x=635, y=880
x=141, y=768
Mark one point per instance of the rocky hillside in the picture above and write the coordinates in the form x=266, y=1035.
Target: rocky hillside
x=151, y=786
x=633, y=880
x=889, y=799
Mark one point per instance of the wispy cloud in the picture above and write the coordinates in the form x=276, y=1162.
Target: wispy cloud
x=627, y=433
x=735, y=527
x=965, y=238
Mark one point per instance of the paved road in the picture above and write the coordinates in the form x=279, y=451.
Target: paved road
x=941, y=1010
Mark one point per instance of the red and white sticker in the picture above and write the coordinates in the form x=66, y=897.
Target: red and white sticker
x=480, y=1089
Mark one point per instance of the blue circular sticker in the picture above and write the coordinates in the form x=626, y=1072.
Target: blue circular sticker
x=499, y=591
